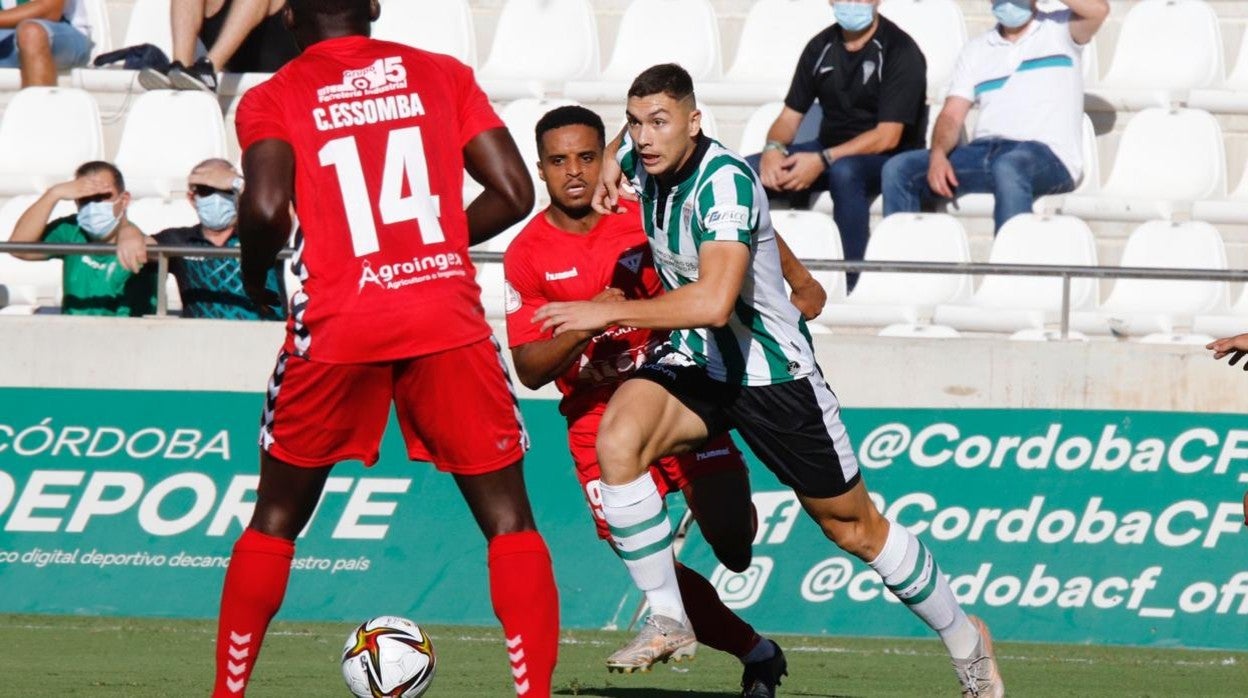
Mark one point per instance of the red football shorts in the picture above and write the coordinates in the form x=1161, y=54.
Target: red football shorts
x=671, y=474
x=456, y=408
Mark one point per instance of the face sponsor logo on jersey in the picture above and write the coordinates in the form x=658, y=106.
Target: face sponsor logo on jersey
x=685, y=265
x=632, y=262
x=382, y=75
x=412, y=271
x=733, y=216
x=511, y=299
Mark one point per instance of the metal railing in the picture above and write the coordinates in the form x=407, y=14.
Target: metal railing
x=162, y=253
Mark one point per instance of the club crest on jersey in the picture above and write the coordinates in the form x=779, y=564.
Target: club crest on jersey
x=381, y=76
x=631, y=262
x=511, y=299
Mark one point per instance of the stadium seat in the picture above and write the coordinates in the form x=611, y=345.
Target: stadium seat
x=813, y=236
x=149, y=24
x=772, y=39
x=1231, y=97
x=1141, y=76
x=166, y=134
x=939, y=29
x=886, y=298
x=1012, y=303
x=1167, y=159
x=154, y=214
x=754, y=134
x=46, y=133
x=514, y=69
x=101, y=41
x=1231, y=209
x=444, y=26
x=1147, y=306
x=652, y=32
x=29, y=284
x=1226, y=324
x=1089, y=182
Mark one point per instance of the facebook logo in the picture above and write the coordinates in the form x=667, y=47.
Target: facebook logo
x=777, y=511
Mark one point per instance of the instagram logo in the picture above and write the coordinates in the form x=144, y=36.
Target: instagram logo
x=742, y=589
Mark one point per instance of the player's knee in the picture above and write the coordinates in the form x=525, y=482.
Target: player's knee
x=863, y=538
x=32, y=38
x=619, y=452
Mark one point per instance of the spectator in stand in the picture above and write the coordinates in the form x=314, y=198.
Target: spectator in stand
x=43, y=36
x=1025, y=76
x=870, y=78
x=242, y=36
x=93, y=284
x=210, y=287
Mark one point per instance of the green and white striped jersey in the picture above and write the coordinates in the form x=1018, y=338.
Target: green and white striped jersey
x=717, y=197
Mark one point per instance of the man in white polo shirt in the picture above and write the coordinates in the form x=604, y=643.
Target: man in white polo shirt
x=1025, y=76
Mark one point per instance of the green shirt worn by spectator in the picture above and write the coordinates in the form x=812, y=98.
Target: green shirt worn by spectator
x=96, y=284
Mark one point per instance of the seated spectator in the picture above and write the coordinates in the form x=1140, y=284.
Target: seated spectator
x=870, y=78
x=210, y=287
x=93, y=284
x=43, y=36
x=1025, y=76
x=242, y=36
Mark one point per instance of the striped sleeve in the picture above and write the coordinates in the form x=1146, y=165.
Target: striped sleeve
x=627, y=156
x=725, y=205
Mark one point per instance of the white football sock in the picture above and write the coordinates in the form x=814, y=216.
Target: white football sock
x=637, y=517
x=909, y=571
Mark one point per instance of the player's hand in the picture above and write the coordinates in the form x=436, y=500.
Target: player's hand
x=771, y=168
x=809, y=298
x=612, y=184
x=575, y=316
x=217, y=175
x=800, y=170
x=83, y=187
x=264, y=298
x=609, y=295
x=131, y=249
x=940, y=176
x=1235, y=347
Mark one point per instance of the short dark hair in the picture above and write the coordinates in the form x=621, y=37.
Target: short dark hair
x=666, y=78
x=354, y=10
x=570, y=115
x=88, y=168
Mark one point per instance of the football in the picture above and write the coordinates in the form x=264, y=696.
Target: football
x=388, y=657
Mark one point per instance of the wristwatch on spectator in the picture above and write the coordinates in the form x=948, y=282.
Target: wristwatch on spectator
x=776, y=145
x=827, y=159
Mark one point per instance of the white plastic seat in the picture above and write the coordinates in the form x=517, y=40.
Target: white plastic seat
x=1141, y=74
x=1147, y=306
x=814, y=236
x=1229, y=324
x=149, y=24
x=30, y=284
x=441, y=26
x=653, y=32
x=166, y=134
x=1012, y=303
x=1167, y=159
x=1231, y=209
x=1089, y=182
x=1230, y=97
x=517, y=68
x=154, y=214
x=939, y=29
x=46, y=133
x=754, y=134
x=886, y=298
x=772, y=39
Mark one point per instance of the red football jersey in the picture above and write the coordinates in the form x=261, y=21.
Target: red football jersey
x=545, y=264
x=378, y=131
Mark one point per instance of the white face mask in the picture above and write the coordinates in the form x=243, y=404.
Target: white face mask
x=97, y=219
x=1012, y=14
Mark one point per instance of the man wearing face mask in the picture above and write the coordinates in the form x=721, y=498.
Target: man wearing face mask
x=1025, y=75
x=93, y=284
x=210, y=287
x=870, y=79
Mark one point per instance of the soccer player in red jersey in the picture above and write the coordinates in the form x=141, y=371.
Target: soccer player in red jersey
x=369, y=141
x=571, y=252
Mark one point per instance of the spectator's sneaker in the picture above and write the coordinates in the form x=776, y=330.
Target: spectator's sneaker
x=201, y=76
x=156, y=79
x=661, y=639
x=759, y=680
x=978, y=674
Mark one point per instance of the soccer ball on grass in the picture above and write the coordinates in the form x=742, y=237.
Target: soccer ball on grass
x=388, y=657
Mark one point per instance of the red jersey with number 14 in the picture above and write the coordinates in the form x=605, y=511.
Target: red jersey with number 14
x=378, y=130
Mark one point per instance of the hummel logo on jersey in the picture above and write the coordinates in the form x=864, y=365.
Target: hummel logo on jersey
x=631, y=262
x=383, y=75
x=561, y=275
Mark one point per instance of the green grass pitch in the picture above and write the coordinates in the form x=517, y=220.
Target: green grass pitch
x=137, y=658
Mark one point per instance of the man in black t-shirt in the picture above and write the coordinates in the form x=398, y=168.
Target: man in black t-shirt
x=870, y=79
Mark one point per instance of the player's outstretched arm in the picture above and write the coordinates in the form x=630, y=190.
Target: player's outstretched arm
x=492, y=159
x=1235, y=347
x=808, y=294
x=264, y=213
x=540, y=362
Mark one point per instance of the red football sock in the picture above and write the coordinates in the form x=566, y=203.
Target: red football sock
x=714, y=623
x=522, y=588
x=254, y=586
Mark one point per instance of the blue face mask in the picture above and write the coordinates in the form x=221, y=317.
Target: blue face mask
x=97, y=220
x=216, y=211
x=854, y=16
x=1012, y=14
